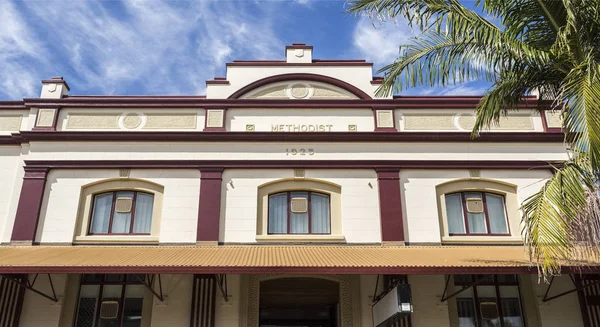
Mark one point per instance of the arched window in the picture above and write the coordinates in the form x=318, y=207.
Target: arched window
x=476, y=213
x=299, y=209
x=122, y=212
x=119, y=210
x=299, y=212
x=478, y=209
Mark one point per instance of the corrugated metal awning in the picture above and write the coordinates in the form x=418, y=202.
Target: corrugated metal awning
x=255, y=259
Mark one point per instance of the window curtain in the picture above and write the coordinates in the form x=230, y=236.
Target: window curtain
x=319, y=206
x=101, y=213
x=122, y=220
x=476, y=220
x=278, y=213
x=143, y=213
x=466, y=312
x=454, y=212
x=299, y=221
x=511, y=310
x=496, y=213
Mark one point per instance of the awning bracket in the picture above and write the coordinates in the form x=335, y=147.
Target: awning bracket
x=29, y=285
x=148, y=281
x=577, y=288
x=222, y=283
x=464, y=287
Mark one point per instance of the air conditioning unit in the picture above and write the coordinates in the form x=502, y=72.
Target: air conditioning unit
x=299, y=205
x=109, y=310
x=489, y=310
x=397, y=302
x=123, y=204
x=474, y=205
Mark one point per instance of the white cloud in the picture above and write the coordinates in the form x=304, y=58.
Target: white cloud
x=157, y=47
x=18, y=51
x=379, y=41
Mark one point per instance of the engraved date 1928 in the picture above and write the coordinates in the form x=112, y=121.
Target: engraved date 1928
x=299, y=152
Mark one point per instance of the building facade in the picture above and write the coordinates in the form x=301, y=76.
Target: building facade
x=289, y=195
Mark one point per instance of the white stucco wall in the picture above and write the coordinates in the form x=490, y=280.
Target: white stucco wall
x=11, y=179
x=360, y=202
x=420, y=203
x=426, y=294
x=176, y=311
x=277, y=151
x=336, y=120
x=563, y=311
x=228, y=313
x=63, y=188
x=38, y=311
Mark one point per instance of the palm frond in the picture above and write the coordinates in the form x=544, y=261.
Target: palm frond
x=581, y=98
x=549, y=215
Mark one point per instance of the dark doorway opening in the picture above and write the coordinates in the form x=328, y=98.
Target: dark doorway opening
x=299, y=302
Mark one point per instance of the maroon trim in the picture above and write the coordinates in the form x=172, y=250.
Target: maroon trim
x=300, y=76
x=51, y=128
x=223, y=122
x=412, y=270
x=30, y=204
x=215, y=81
x=581, y=296
x=209, y=207
x=390, y=205
x=13, y=105
x=56, y=80
x=298, y=46
x=163, y=102
x=210, y=135
x=19, y=303
x=385, y=129
x=217, y=165
x=9, y=140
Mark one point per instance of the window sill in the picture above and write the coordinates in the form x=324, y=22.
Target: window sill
x=120, y=239
x=482, y=240
x=300, y=238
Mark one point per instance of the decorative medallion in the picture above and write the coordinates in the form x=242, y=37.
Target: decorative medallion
x=299, y=91
x=132, y=121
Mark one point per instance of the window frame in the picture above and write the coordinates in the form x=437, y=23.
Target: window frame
x=289, y=211
x=485, y=213
x=491, y=282
x=124, y=282
x=86, y=203
x=112, y=212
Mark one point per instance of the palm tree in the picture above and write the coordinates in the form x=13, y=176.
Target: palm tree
x=551, y=47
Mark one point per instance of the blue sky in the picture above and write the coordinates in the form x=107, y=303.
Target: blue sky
x=159, y=47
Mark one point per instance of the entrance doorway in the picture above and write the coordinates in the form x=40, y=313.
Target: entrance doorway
x=299, y=302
